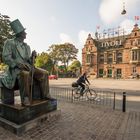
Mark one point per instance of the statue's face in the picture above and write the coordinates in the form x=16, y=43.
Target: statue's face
x=22, y=35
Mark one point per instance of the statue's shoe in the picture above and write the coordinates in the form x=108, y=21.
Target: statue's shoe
x=26, y=102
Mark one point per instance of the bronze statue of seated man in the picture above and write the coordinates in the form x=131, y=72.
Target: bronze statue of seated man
x=17, y=55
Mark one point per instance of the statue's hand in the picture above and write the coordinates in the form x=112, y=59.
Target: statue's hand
x=23, y=66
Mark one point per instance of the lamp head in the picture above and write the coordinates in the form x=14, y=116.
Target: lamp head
x=123, y=12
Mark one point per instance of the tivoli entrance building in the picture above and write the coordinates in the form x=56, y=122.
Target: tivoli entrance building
x=116, y=56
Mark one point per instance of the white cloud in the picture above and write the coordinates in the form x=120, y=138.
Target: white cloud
x=110, y=10
x=65, y=38
x=131, y=4
x=53, y=19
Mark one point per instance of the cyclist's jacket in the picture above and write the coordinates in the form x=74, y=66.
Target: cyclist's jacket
x=82, y=79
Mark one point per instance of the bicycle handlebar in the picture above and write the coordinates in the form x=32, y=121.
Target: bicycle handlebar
x=87, y=85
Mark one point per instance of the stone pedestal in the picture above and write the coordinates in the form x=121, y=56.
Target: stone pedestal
x=19, y=119
x=20, y=129
x=19, y=114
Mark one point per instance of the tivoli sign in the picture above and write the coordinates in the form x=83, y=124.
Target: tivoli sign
x=111, y=43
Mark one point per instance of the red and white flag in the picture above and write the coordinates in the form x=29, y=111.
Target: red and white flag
x=137, y=17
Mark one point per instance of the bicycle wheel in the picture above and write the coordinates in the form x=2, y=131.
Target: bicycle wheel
x=91, y=94
x=76, y=93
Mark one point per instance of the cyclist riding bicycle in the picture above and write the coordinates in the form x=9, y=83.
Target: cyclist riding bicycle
x=82, y=81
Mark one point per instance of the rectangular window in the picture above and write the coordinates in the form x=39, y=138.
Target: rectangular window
x=88, y=59
x=135, y=54
x=110, y=59
x=101, y=59
x=132, y=42
x=134, y=70
x=119, y=57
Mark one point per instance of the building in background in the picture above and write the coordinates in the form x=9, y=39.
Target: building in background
x=114, y=55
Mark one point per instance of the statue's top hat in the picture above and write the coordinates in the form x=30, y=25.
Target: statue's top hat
x=17, y=26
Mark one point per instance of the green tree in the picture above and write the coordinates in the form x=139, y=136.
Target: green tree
x=5, y=31
x=68, y=52
x=44, y=61
x=75, y=65
x=54, y=55
x=63, y=53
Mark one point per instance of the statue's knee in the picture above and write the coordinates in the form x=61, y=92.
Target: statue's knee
x=22, y=73
x=45, y=72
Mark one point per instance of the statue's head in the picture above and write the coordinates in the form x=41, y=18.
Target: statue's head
x=17, y=26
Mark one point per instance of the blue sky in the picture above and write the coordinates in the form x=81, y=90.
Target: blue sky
x=50, y=22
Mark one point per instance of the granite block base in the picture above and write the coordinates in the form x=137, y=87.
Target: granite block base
x=20, y=129
x=19, y=114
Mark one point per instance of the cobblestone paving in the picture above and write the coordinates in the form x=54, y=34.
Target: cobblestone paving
x=130, y=128
x=81, y=122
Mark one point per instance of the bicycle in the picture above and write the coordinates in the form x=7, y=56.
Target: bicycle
x=90, y=93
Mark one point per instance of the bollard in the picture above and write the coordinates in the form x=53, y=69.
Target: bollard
x=124, y=102
x=114, y=101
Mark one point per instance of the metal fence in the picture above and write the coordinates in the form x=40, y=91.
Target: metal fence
x=107, y=98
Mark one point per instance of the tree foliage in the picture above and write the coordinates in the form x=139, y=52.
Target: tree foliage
x=43, y=61
x=5, y=31
x=75, y=65
x=63, y=53
x=54, y=53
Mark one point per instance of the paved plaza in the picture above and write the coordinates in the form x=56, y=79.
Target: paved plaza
x=85, y=121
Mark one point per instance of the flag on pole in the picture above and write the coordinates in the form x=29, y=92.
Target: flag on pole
x=137, y=17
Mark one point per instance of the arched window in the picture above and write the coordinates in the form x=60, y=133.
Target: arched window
x=134, y=55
